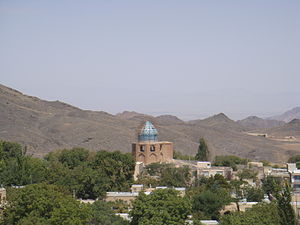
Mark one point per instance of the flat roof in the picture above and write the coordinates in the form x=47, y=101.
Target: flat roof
x=121, y=194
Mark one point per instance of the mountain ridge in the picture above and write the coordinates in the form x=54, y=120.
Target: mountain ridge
x=254, y=123
x=44, y=126
x=287, y=116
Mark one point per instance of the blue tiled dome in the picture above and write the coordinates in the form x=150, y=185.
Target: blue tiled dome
x=148, y=132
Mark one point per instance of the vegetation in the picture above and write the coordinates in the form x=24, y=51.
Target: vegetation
x=209, y=196
x=285, y=210
x=87, y=174
x=208, y=203
x=50, y=185
x=265, y=163
x=18, y=169
x=247, y=174
x=295, y=159
x=166, y=175
x=179, y=155
x=213, y=182
x=229, y=160
x=163, y=206
x=253, y=194
x=278, y=212
x=203, y=152
x=260, y=214
x=44, y=204
x=272, y=186
x=102, y=214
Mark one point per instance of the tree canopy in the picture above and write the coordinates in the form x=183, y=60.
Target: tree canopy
x=44, y=204
x=208, y=203
x=166, y=175
x=229, y=160
x=163, y=206
x=87, y=174
x=260, y=214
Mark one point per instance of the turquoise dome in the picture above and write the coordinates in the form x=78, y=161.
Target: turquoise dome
x=148, y=132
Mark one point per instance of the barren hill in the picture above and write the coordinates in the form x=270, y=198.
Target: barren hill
x=254, y=123
x=290, y=129
x=44, y=126
x=288, y=115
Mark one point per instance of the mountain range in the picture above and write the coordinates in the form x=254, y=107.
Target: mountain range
x=288, y=115
x=44, y=126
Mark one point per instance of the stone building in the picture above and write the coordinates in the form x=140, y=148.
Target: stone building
x=127, y=197
x=205, y=169
x=148, y=149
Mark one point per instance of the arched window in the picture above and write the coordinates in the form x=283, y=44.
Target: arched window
x=152, y=148
x=142, y=148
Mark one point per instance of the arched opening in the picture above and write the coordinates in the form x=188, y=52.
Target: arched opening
x=141, y=158
x=152, y=158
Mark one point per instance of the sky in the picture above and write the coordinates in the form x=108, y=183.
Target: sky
x=192, y=59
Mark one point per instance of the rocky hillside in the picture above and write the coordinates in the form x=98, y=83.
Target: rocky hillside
x=288, y=115
x=291, y=129
x=44, y=126
x=256, y=123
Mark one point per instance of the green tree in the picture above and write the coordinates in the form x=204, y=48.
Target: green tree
x=271, y=186
x=260, y=214
x=161, y=207
x=175, y=177
x=74, y=157
x=88, y=174
x=44, y=204
x=155, y=169
x=285, y=210
x=247, y=174
x=295, y=159
x=203, y=152
x=229, y=160
x=212, y=182
x=18, y=169
x=102, y=214
x=254, y=194
x=9, y=150
x=209, y=202
x=117, y=166
x=179, y=155
x=168, y=174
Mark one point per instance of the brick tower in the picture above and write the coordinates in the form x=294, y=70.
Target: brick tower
x=148, y=149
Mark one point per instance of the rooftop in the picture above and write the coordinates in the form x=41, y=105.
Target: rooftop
x=119, y=194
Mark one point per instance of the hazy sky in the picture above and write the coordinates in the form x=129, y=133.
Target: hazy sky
x=187, y=58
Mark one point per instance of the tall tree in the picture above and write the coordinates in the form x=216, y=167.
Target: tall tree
x=285, y=210
x=202, y=154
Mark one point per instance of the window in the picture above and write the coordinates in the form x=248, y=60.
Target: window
x=142, y=148
x=297, y=177
x=205, y=173
x=152, y=148
x=296, y=187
